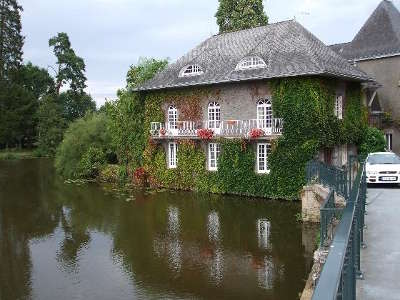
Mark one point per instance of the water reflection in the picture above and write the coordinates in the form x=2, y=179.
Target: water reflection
x=65, y=241
x=263, y=232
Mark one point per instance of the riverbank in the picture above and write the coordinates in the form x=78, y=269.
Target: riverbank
x=12, y=154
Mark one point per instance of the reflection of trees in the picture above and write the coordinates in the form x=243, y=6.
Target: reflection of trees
x=24, y=214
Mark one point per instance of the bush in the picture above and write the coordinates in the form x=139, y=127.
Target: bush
x=84, y=148
x=372, y=141
x=91, y=163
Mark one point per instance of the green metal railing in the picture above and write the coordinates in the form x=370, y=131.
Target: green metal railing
x=342, y=266
x=327, y=214
x=331, y=177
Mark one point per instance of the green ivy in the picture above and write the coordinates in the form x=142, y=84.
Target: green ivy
x=306, y=105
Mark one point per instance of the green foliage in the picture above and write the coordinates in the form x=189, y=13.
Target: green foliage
x=51, y=125
x=76, y=104
x=240, y=14
x=11, y=39
x=35, y=79
x=70, y=67
x=79, y=153
x=91, y=163
x=372, y=141
x=17, y=111
x=126, y=115
x=145, y=69
x=355, y=116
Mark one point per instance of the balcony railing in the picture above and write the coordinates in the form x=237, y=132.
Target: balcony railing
x=227, y=128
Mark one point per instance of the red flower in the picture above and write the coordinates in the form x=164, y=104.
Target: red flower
x=140, y=176
x=205, y=134
x=163, y=131
x=256, y=133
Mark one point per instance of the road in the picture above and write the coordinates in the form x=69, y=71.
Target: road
x=380, y=261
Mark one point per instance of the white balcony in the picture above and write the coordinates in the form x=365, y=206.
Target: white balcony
x=226, y=128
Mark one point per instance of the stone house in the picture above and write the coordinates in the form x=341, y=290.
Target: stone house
x=237, y=68
x=376, y=50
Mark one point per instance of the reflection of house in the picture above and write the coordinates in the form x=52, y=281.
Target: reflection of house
x=376, y=50
x=237, y=69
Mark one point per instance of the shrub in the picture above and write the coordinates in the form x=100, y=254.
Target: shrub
x=83, y=141
x=372, y=141
x=140, y=176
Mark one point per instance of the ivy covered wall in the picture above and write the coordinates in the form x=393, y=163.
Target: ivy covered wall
x=307, y=107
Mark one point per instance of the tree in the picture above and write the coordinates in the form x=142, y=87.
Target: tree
x=76, y=104
x=51, y=125
x=127, y=113
x=17, y=111
x=143, y=71
x=235, y=15
x=70, y=67
x=35, y=79
x=84, y=148
x=11, y=40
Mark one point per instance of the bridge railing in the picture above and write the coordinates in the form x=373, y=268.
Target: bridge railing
x=329, y=176
x=342, y=266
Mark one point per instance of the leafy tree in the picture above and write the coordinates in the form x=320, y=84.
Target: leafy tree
x=11, y=40
x=70, y=67
x=372, y=141
x=17, y=109
x=240, y=14
x=127, y=113
x=76, y=104
x=143, y=71
x=35, y=79
x=51, y=125
x=84, y=148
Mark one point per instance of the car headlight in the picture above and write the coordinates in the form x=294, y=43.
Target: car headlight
x=372, y=172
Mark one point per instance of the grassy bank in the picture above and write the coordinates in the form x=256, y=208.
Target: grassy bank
x=11, y=154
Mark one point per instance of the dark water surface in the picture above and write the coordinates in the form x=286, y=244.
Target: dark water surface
x=63, y=241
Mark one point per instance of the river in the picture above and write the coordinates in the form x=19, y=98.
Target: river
x=90, y=241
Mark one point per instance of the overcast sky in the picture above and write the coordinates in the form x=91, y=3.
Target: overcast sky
x=112, y=34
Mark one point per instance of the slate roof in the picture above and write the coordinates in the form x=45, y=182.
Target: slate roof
x=379, y=36
x=287, y=48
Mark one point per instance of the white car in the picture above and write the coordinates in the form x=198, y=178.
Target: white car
x=383, y=167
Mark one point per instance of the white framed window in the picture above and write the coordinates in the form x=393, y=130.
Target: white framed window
x=191, y=70
x=172, y=117
x=214, y=115
x=389, y=141
x=264, y=113
x=172, y=155
x=214, y=150
x=251, y=62
x=262, y=158
x=339, y=107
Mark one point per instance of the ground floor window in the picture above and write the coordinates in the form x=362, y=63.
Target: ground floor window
x=262, y=158
x=389, y=139
x=172, y=158
x=213, y=153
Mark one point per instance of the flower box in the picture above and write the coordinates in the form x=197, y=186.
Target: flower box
x=205, y=134
x=256, y=133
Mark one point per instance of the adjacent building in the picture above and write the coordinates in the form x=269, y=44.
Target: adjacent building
x=376, y=50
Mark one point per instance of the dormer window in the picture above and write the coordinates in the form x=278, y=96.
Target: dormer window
x=251, y=62
x=191, y=70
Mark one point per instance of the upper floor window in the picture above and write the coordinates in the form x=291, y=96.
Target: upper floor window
x=262, y=158
x=172, y=155
x=191, y=70
x=339, y=107
x=214, y=115
x=251, y=62
x=172, y=117
x=264, y=113
x=213, y=154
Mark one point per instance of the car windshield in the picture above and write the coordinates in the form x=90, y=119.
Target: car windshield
x=386, y=159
